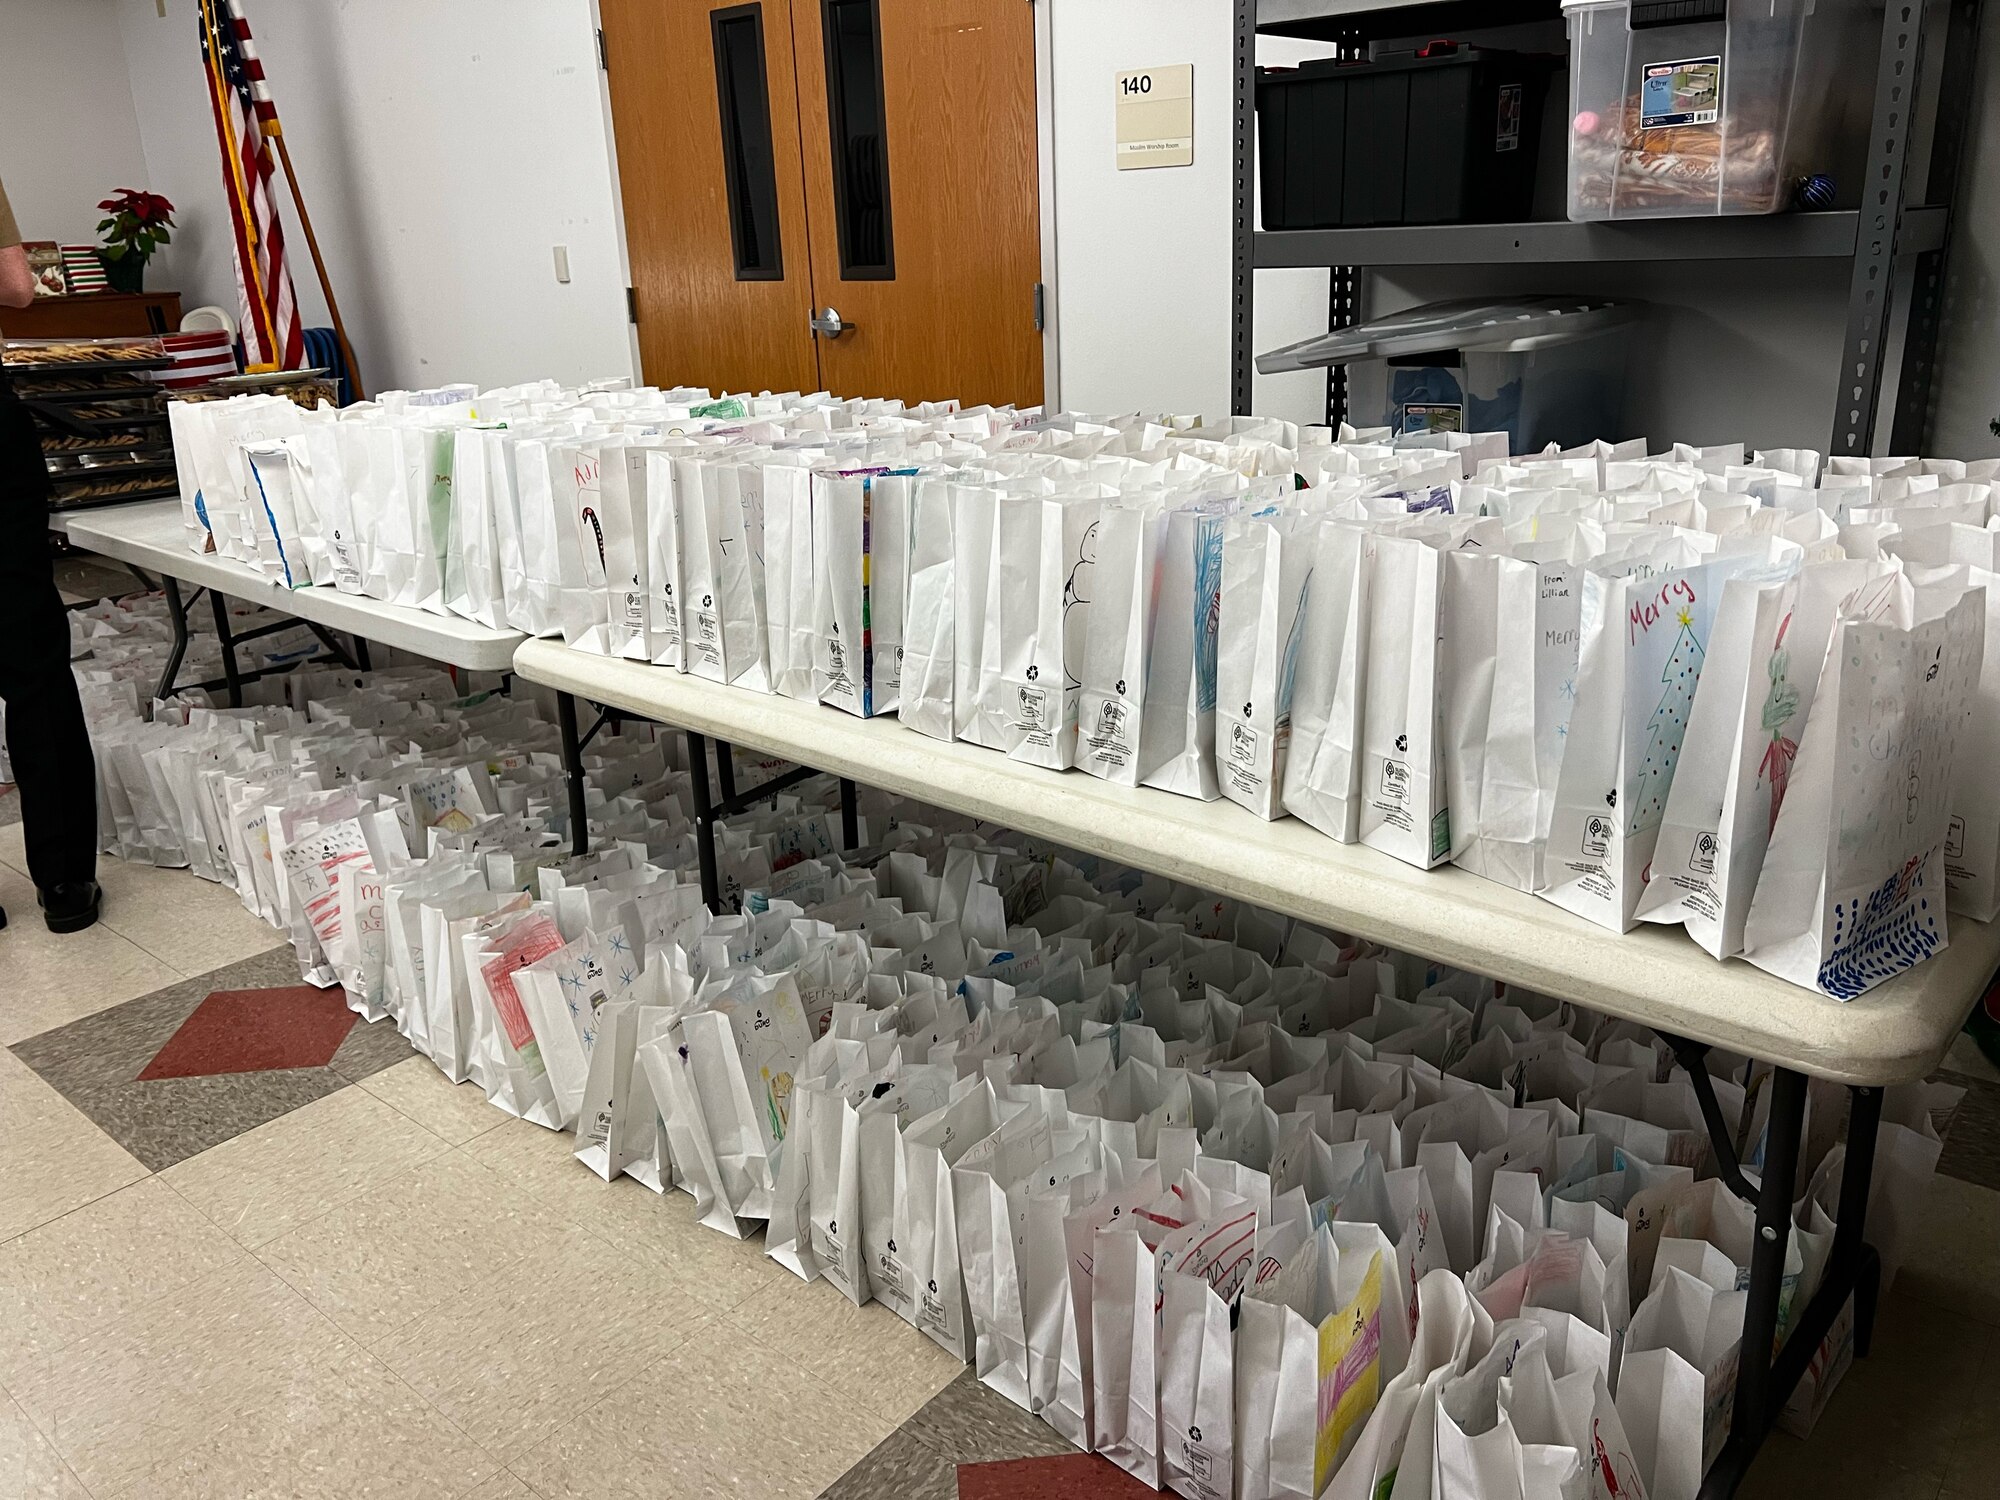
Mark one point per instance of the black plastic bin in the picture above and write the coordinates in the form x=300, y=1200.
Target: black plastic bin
x=1446, y=135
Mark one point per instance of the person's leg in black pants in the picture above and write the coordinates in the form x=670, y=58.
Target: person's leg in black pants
x=46, y=738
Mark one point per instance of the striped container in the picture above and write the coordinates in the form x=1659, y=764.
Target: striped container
x=199, y=357
x=86, y=271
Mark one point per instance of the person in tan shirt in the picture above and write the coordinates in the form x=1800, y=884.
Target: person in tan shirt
x=46, y=737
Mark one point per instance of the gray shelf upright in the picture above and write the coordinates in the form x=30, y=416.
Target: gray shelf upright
x=1905, y=219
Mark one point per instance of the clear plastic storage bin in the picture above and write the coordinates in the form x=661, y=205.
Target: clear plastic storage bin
x=1695, y=107
x=1541, y=369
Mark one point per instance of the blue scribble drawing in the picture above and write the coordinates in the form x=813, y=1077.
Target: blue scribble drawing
x=1207, y=606
x=1894, y=929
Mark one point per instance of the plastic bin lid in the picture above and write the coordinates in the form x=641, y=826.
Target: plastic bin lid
x=1513, y=325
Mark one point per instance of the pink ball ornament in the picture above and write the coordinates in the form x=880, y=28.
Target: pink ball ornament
x=1585, y=123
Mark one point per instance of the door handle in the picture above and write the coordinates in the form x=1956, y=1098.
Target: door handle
x=831, y=324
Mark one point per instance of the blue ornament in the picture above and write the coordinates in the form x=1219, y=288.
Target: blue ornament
x=1816, y=191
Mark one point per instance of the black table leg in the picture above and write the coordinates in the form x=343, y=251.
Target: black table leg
x=231, y=674
x=725, y=769
x=572, y=752
x=1759, y=1395
x=177, y=611
x=850, y=818
x=704, y=821
x=361, y=654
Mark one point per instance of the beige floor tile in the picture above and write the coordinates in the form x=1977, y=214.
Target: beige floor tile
x=52, y=1158
x=503, y=1486
x=49, y=979
x=719, y=1269
x=13, y=847
x=329, y=1431
x=84, y=1271
x=510, y=1358
x=867, y=1352
x=166, y=1375
x=190, y=924
x=1955, y=1252
x=291, y=1170
x=721, y=1416
x=448, y=1224
x=30, y=1467
x=455, y=1112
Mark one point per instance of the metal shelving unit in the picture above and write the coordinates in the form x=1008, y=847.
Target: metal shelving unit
x=1903, y=225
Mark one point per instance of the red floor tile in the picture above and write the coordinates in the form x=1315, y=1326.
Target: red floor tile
x=1071, y=1476
x=255, y=1031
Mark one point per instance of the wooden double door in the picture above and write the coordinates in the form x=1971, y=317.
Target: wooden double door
x=831, y=194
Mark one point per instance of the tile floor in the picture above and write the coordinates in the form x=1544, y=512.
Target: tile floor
x=324, y=1271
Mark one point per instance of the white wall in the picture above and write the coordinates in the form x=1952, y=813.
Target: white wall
x=1142, y=258
x=444, y=148
x=68, y=134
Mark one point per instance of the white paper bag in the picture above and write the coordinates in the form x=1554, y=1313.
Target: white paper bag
x=1510, y=654
x=1852, y=886
x=1645, y=638
x=924, y=699
x=1177, y=734
x=1111, y=696
x=1267, y=563
x=1322, y=781
x=1405, y=807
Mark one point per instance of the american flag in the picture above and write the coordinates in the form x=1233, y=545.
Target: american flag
x=244, y=115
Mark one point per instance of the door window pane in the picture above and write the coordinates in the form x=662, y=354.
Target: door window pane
x=747, y=167
x=856, y=128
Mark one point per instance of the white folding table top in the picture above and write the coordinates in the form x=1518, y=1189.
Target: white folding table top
x=152, y=536
x=1655, y=975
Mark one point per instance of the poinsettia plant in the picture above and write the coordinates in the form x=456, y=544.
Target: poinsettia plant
x=137, y=225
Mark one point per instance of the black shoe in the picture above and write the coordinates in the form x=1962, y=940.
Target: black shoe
x=71, y=908
x=3, y=918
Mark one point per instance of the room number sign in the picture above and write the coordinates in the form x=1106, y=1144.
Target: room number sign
x=1155, y=115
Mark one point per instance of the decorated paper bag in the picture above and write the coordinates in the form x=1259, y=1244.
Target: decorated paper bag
x=1046, y=551
x=622, y=488
x=1111, y=698
x=1645, y=638
x=1852, y=886
x=580, y=544
x=1177, y=733
x=617, y=1125
x=505, y=1059
x=1322, y=781
x=1267, y=563
x=1743, y=737
x=860, y=545
x=1317, y=1340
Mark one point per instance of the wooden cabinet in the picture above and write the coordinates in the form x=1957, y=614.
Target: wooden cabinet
x=93, y=315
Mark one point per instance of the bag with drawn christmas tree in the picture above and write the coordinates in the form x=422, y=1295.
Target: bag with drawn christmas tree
x=1647, y=620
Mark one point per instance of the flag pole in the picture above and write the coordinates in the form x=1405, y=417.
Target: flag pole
x=274, y=132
